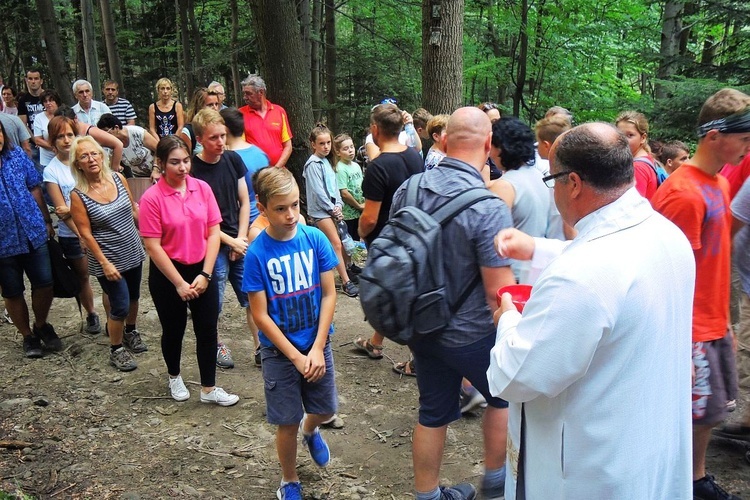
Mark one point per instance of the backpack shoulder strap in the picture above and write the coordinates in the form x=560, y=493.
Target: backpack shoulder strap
x=450, y=209
x=412, y=190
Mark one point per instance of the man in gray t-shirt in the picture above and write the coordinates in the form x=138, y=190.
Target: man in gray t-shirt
x=16, y=131
x=463, y=349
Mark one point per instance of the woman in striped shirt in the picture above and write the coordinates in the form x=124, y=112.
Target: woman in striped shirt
x=104, y=213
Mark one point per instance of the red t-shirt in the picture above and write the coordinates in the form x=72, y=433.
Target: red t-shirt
x=698, y=204
x=181, y=222
x=268, y=132
x=646, y=181
x=736, y=175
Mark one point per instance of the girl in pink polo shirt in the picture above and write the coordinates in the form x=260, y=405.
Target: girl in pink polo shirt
x=179, y=222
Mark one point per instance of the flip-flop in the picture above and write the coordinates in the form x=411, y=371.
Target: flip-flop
x=364, y=346
x=405, y=368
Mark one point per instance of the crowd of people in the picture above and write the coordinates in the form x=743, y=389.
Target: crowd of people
x=609, y=384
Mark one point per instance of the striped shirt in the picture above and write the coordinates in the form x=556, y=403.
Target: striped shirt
x=123, y=110
x=114, y=230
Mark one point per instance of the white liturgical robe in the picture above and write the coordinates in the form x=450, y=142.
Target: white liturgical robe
x=600, y=363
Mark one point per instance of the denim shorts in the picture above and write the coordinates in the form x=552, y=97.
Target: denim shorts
x=122, y=292
x=439, y=373
x=35, y=264
x=287, y=391
x=71, y=247
x=224, y=270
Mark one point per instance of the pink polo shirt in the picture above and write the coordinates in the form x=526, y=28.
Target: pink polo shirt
x=181, y=222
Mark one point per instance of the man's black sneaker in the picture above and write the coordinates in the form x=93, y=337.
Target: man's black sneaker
x=462, y=491
x=93, y=326
x=49, y=337
x=32, y=346
x=354, y=269
x=707, y=489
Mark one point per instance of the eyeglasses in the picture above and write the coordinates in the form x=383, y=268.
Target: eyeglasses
x=89, y=156
x=549, y=180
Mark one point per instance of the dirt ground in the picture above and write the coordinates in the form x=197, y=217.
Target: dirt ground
x=93, y=432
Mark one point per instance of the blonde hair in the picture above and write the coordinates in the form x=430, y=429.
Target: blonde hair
x=273, y=181
x=162, y=82
x=550, y=128
x=725, y=102
x=338, y=141
x=82, y=183
x=639, y=121
x=204, y=118
x=437, y=124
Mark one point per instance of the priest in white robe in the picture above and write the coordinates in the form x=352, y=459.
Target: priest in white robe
x=597, y=370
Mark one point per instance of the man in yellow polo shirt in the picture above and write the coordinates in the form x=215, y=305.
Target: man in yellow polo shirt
x=266, y=123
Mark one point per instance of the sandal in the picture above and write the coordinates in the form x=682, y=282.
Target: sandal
x=405, y=368
x=373, y=351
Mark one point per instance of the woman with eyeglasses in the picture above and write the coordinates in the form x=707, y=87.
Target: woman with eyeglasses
x=105, y=214
x=202, y=98
x=491, y=110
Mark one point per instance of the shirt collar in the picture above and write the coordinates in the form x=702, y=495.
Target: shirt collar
x=627, y=211
x=457, y=164
x=168, y=190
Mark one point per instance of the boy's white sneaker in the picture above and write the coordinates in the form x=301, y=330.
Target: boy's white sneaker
x=178, y=389
x=220, y=397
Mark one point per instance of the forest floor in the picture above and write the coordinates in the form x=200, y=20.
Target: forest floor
x=94, y=432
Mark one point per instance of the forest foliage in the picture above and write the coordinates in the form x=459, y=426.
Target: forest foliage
x=594, y=57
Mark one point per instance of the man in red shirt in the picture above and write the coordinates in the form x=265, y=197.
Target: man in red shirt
x=266, y=123
x=696, y=199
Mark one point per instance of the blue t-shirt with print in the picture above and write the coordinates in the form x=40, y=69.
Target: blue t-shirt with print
x=289, y=273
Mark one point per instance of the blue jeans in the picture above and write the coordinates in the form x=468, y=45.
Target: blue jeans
x=439, y=373
x=122, y=292
x=232, y=270
x=35, y=264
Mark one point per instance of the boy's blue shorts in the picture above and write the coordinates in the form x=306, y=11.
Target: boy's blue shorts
x=289, y=395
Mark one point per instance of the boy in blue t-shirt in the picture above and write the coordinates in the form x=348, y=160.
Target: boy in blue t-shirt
x=289, y=280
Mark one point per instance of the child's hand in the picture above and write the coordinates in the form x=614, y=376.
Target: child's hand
x=315, y=365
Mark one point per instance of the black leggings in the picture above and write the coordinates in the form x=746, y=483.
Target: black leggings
x=172, y=311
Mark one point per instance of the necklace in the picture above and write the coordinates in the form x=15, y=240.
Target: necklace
x=102, y=194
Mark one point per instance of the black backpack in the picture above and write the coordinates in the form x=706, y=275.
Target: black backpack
x=65, y=282
x=402, y=288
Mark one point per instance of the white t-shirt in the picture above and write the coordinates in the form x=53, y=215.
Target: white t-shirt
x=41, y=122
x=137, y=156
x=59, y=173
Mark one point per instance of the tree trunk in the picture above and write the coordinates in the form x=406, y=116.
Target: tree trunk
x=55, y=56
x=315, y=59
x=113, y=53
x=236, y=90
x=89, y=47
x=669, y=51
x=78, y=27
x=196, y=32
x=303, y=13
x=187, y=60
x=442, y=55
x=523, y=50
x=330, y=59
x=285, y=70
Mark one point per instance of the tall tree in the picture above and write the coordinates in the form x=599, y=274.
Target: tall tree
x=110, y=41
x=236, y=91
x=442, y=55
x=89, y=46
x=182, y=9
x=284, y=69
x=315, y=57
x=330, y=60
x=58, y=69
x=669, y=50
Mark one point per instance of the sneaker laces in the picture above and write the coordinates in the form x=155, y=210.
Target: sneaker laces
x=223, y=349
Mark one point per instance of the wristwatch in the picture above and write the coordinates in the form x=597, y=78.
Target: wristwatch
x=206, y=275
